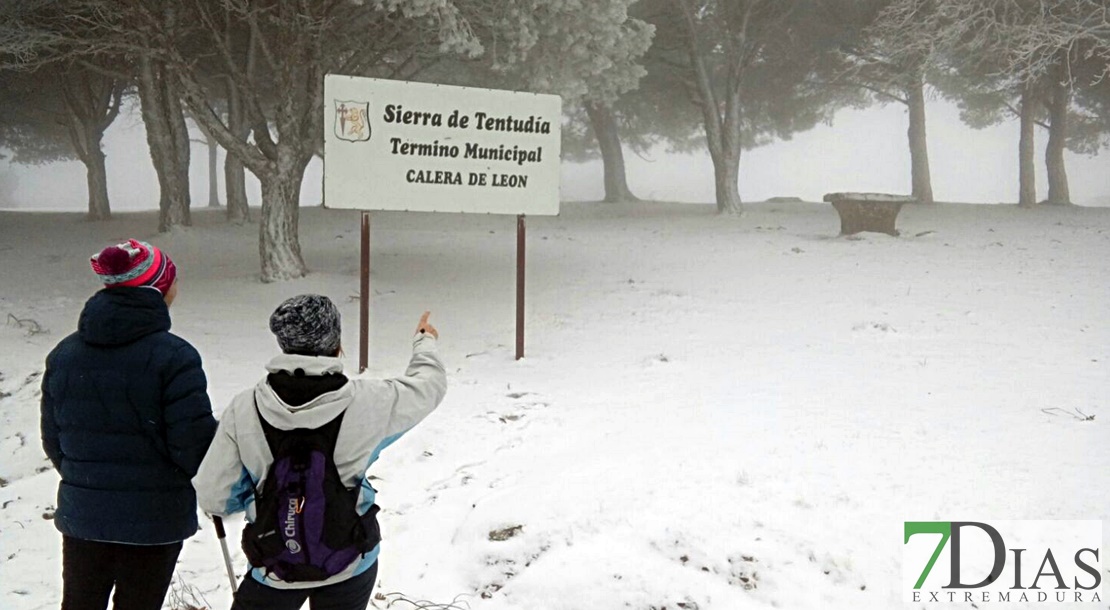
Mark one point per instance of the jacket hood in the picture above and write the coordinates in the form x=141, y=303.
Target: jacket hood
x=118, y=316
x=312, y=414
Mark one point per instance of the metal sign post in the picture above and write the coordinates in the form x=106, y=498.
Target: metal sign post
x=364, y=297
x=364, y=291
x=520, y=286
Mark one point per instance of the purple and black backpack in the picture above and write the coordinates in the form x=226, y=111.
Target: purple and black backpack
x=307, y=527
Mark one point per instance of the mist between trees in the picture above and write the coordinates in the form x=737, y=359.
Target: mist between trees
x=686, y=75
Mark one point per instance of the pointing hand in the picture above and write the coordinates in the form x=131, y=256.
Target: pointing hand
x=426, y=327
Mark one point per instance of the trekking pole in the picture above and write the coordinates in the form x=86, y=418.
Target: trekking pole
x=222, y=535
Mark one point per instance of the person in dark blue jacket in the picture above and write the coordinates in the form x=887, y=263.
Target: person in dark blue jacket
x=126, y=421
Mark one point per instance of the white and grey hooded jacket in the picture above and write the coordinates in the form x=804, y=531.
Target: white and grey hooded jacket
x=378, y=412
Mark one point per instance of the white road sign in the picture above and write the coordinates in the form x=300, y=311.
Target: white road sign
x=396, y=145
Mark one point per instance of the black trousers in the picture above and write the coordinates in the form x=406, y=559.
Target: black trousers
x=140, y=574
x=351, y=594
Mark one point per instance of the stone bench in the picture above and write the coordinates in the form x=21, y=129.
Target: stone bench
x=876, y=212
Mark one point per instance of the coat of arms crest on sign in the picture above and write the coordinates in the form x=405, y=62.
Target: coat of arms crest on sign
x=352, y=120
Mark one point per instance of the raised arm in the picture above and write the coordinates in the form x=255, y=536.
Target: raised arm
x=420, y=390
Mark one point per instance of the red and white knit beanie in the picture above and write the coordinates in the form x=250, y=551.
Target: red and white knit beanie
x=134, y=263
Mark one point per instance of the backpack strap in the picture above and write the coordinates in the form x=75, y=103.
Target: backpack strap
x=330, y=430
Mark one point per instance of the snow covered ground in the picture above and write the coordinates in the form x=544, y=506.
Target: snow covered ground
x=713, y=413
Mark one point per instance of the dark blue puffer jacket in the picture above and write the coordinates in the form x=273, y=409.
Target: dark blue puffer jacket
x=126, y=420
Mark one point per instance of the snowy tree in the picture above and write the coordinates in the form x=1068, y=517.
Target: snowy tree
x=1064, y=46
x=167, y=135
x=296, y=43
x=658, y=112
x=212, y=147
x=226, y=98
x=56, y=98
x=586, y=51
x=889, y=62
x=651, y=116
x=213, y=170
x=276, y=90
x=750, y=67
x=60, y=111
x=104, y=37
x=1024, y=58
x=32, y=128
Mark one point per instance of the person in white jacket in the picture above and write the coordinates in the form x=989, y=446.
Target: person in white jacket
x=305, y=388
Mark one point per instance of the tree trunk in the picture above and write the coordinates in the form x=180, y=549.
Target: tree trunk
x=612, y=157
x=1027, y=180
x=726, y=178
x=1058, y=192
x=723, y=137
x=278, y=242
x=726, y=161
x=919, y=150
x=213, y=173
x=86, y=140
x=168, y=139
x=176, y=212
x=96, y=176
x=238, y=209
x=91, y=105
x=722, y=133
x=179, y=130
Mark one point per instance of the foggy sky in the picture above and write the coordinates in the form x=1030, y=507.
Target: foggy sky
x=863, y=150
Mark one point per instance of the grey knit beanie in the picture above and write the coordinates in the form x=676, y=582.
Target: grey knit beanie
x=308, y=325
